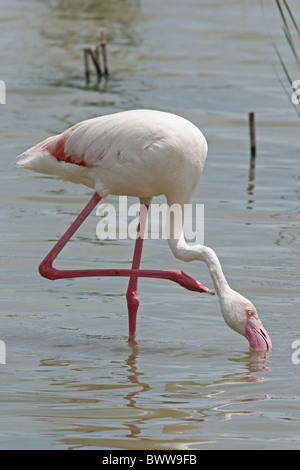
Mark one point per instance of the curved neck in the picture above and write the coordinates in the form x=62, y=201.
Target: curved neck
x=186, y=252
x=210, y=258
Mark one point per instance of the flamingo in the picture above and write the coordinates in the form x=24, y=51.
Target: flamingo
x=141, y=153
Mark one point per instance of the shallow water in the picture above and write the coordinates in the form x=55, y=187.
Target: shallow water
x=70, y=378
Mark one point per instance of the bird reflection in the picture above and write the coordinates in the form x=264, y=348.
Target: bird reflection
x=91, y=422
x=255, y=362
x=134, y=374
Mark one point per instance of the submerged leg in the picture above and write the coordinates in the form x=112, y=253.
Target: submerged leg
x=132, y=297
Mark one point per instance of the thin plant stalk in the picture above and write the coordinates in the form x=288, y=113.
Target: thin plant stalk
x=290, y=29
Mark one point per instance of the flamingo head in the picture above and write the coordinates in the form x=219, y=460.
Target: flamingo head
x=241, y=315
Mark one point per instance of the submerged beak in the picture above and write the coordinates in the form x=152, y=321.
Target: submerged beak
x=256, y=334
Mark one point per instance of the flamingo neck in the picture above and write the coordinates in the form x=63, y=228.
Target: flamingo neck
x=203, y=253
x=209, y=257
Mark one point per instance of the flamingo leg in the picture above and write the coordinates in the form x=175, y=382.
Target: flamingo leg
x=46, y=269
x=132, y=296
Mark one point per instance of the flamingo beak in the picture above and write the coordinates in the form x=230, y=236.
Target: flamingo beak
x=256, y=334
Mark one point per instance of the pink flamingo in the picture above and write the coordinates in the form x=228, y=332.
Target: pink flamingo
x=141, y=153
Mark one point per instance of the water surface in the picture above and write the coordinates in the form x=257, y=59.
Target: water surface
x=71, y=381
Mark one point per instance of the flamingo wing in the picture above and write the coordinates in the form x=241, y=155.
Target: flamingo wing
x=137, y=153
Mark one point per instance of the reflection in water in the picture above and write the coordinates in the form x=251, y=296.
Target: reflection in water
x=133, y=376
x=251, y=185
x=100, y=84
x=181, y=408
x=255, y=361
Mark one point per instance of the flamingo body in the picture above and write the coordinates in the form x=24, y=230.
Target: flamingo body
x=138, y=153
x=141, y=153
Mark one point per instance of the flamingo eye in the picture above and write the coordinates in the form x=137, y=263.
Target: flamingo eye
x=250, y=312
